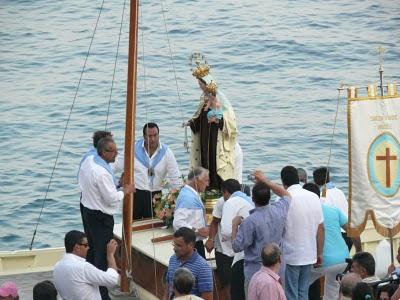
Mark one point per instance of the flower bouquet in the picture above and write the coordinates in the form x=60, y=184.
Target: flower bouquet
x=164, y=205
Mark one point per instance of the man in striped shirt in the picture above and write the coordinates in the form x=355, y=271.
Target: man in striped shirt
x=187, y=256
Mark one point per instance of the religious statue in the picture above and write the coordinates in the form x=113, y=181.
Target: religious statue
x=214, y=129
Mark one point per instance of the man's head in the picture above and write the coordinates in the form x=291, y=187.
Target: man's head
x=98, y=135
x=362, y=291
x=151, y=135
x=261, y=194
x=199, y=179
x=348, y=283
x=183, y=281
x=312, y=187
x=228, y=187
x=363, y=264
x=107, y=149
x=321, y=176
x=386, y=292
x=44, y=290
x=289, y=176
x=302, y=175
x=76, y=243
x=184, y=240
x=271, y=255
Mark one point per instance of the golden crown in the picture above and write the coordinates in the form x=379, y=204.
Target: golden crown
x=212, y=87
x=201, y=68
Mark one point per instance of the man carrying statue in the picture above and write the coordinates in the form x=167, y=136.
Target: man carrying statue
x=214, y=129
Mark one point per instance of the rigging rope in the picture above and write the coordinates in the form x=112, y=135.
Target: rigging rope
x=66, y=127
x=115, y=64
x=330, y=146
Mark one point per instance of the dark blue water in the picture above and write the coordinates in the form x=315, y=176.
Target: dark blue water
x=279, y=62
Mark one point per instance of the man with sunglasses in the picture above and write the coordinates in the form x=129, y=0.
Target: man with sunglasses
x=75, y=278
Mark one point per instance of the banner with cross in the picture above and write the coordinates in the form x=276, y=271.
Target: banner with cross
x=374, y=163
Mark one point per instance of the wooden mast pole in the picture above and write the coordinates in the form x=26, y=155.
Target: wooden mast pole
x=129, y=140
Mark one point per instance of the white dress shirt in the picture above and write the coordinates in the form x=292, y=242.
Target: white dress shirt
x=77, y=279
x=167, y=168
x=98, y=188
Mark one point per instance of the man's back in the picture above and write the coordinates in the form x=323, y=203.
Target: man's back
x=75, y=278
x=265, y=225
x=304, y=216
x=336, y=197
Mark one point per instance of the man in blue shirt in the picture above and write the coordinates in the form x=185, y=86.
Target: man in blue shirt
x=264, y=225
x=186, y=256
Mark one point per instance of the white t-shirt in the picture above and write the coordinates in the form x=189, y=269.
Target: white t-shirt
x=217, y=213
x=300, y=237
x=336, y=198
x=233, y=207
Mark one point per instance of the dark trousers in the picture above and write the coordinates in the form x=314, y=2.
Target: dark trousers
x=349, y=241
x=99, y=231
x=237, y=281
x=314, y=291
x=200, y=248
x=142, y=207
x=224, y=268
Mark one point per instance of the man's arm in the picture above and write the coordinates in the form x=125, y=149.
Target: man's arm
x=356, y=240
x=276, y=188
x=320, y=243
x=104, y=278
x=212, y=233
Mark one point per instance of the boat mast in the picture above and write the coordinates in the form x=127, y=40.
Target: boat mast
x=129, y=140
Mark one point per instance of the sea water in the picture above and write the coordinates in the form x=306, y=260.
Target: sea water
x=279, y=63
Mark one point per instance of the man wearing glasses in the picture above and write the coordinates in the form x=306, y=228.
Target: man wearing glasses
x=100, y=200
x=75, y=278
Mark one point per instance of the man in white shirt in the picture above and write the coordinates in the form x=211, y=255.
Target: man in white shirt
x=229, y=266
x=100, y=200
x=335, y=197
x=154, y=165
x=303, y=238
x=190, y=211
x=75, y=278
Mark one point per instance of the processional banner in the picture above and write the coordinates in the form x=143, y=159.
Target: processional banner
x=374, y=163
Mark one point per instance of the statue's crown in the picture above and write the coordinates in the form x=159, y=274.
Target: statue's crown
x=212, y=87
x=200, y=65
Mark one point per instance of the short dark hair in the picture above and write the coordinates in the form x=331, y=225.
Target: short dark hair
x=230, y=186
x=289, y=176
x=365, y=260
x=261, y=194
x=361, y=292
x=388, y=288
x=150, y=125
x=321, y=175
x=312, y=187
x=44, y=290
x=270, y=255
x=188, y=235
x=103, y=145
x=98, y=135
x=183, y=281
x=73, y=238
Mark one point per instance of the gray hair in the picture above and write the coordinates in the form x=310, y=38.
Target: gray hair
x=183, y=281
x=302, y=175
x=103, y=145
x=270, y=255
x=196, y=173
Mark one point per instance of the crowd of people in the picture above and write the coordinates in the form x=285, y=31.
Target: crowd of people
x=264, y=248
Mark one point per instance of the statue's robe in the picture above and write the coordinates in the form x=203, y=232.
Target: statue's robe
x=213, y=145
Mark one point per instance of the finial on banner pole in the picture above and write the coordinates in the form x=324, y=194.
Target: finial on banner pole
x=381, y=52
